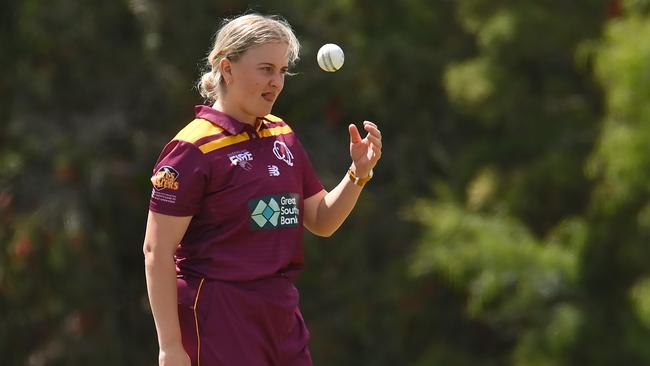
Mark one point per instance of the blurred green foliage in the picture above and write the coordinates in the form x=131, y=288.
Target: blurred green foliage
x=508, y=223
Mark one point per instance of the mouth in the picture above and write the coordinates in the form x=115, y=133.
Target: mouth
x=269, y=97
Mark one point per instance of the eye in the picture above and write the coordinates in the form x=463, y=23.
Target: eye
x=267, y=69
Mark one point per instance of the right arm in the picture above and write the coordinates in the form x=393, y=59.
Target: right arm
x=162, y=237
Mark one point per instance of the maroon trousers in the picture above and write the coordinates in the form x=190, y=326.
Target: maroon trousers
x=254, y=323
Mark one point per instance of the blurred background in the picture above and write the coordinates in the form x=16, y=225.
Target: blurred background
x=508, y=222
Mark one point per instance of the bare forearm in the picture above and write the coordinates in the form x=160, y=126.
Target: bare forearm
x=163, y=297
x=335, y=207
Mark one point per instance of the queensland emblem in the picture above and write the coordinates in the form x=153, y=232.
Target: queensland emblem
x=282, y=152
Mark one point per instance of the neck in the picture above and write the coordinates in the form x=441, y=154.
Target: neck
x=227, y=108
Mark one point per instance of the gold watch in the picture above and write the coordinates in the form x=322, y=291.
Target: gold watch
x=359, y=181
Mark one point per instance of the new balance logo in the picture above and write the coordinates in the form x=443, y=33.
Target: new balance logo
x=274, y=171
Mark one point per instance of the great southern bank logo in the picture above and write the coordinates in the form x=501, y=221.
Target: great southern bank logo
x=273, y=212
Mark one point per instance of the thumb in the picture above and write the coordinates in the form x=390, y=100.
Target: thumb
x=355, y=137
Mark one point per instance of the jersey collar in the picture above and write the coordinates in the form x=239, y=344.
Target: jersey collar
x=225, y=121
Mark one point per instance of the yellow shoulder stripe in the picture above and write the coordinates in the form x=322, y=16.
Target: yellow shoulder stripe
x=223, y=142
x=275, y=131
x=273, y=118
x=196, y=130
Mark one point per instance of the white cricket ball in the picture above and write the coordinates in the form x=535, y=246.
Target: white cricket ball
x=330, y=57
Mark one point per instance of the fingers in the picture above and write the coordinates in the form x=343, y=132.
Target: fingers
x=355, y=137
x=374, y=135
x=372, y=129
x=368, y=123
x=374, y=140
x=376, y=152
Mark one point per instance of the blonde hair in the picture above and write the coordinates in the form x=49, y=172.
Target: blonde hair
x=234, y=38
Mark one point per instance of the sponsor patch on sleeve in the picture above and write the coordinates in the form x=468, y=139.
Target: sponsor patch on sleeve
x=166, y=178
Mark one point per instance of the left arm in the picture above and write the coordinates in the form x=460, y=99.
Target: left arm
x=326, y=211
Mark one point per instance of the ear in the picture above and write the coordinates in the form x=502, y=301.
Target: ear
x=225, y=67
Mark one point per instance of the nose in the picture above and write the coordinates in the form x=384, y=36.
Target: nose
x=277, y=80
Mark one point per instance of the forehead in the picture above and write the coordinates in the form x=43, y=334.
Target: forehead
x=274, y=53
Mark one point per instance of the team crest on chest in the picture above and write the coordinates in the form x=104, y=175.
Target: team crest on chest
x=241, y=158
x=282, y=152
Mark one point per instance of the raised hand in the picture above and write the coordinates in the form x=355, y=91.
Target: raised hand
x=367, y=151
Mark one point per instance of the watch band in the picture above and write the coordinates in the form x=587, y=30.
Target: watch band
x=359, y=181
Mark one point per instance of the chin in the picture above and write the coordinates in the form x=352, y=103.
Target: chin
x=264, y=111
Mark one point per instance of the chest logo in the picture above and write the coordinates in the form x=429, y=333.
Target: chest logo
x=242, y=159
x=282, y=152
x=274, y=171
x=274, y=212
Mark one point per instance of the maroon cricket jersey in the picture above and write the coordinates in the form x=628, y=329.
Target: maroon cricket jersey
x=244, y=186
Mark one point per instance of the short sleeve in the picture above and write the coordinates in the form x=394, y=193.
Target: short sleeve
x=311, y=184
x=179, y=180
